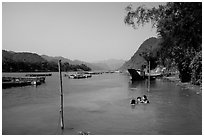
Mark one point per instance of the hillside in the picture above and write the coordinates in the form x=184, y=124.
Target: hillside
x=136, y=60
x=93, y=66
x=113, y=64
x=56, y=59
x=32, y=62
x=22, y=62
x=22, y=57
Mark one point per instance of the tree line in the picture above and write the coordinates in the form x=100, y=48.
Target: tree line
x=12, y=66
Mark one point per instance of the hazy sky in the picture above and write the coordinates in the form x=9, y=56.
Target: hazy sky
x=83, y=31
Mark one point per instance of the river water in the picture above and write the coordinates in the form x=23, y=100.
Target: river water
x=101, y=105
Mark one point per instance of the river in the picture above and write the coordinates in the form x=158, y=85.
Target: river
x=101, y=105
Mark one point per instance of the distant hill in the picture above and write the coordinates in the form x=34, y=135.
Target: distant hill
x=136, y=60
x=102, y=66
x=113, y=64
x=32, y=62
x=93, y=66
x=25, y=61
x=22, y=62
x=22, y=57
x=56, y=59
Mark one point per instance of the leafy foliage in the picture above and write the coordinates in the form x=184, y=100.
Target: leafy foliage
x=196, y=66
x=179, y=24
x=149, y=57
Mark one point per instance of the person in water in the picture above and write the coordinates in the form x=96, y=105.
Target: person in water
x=133, y=101
x=139, y=100
x=144, y=99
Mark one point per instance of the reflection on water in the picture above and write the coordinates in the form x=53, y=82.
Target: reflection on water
x=101, y=105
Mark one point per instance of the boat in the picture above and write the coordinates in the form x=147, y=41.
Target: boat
x=141, y=75
x=8, y=82
x=78, y=76
x=93, y=73
x=136, y=74
x=38, y=75
x=152, y=76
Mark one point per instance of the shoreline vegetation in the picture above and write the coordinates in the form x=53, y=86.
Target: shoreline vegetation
x=179, y=27
x=186, y=85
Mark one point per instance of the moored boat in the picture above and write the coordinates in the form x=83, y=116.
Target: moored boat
x=38, y=75
x=78, y=76
x=136, y=74
x=21, y=81
x=141, y=75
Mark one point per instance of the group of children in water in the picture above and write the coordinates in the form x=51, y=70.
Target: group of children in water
x=139, y=100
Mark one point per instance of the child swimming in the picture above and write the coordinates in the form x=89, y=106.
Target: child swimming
x=144, y=99
x=139, y=100
x=133, y=101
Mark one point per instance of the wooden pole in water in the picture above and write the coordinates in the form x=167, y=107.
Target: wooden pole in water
x=61, y=97
x=149, y=78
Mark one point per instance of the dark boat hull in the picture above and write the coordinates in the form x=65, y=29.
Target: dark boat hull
x=135, y=75
x=151, y=77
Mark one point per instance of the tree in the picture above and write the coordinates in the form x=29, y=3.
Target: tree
x=196, y=66
x=179, y=24
x=149, y=57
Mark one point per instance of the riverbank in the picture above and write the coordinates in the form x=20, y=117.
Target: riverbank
x=186, y=85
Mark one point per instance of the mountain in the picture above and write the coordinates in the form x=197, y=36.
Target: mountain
x=22, y=62
x=56, y=59
x=136, y=61
x=25, y=61
x=21, y=57
x=112, y=64
x=32, y=62
x=93, y=66
x=102, y=66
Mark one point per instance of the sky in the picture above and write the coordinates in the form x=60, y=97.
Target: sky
x=84, y=31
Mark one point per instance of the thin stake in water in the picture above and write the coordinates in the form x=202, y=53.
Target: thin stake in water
x=149, y=79
x=61, y=97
